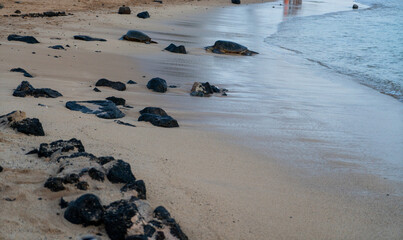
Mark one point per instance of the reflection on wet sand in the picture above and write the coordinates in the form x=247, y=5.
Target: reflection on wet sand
x=291, y=7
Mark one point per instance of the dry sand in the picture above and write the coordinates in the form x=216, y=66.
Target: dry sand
x=215, y=189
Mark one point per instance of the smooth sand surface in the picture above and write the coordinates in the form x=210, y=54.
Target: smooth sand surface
x=237, y=168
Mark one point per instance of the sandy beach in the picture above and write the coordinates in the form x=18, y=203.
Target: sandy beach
x=290, y=153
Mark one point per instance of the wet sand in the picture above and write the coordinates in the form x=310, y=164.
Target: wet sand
x=292, y=152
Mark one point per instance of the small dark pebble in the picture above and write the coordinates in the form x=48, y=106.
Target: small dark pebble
x=96, y=90
x=173, y=86
x=63, y=203
x=82, y=185
x=143, y=15
x=57, y=47
x=10, y=199
x=17, y=11
x=40, y=198
x=33, y=52
x=131, y=82
x=1, y=168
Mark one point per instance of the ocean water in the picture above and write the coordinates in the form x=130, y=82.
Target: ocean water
x=366, y=44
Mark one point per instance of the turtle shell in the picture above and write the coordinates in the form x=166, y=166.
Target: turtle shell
x=136, y=36
x=229, y=47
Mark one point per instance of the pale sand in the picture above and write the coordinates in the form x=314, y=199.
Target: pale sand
x=215, y=188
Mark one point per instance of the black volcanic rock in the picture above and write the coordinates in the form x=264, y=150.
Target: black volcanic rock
x=159, y=121
x=86, y=210
x=47, y=149
x=63, y=203
x=124, y=10
x=120, y=172
x=57, y=47
x=154, y=110
x=236, y=1
x=82, y=185
x=116, y=100
x=355, y=6
x=29, y=126
x=21, y=70
x=143, y=15
x=55, y=184
x=139, y=186
x=26, y=39
x=176, y=49
x=161, y=213
x=103, y=82
x=117, y=218
x=26, y=89
x=96, y=174
x=149, y=230
x=101, y=108
x=137, y=237
x=131, y=82
x=88, y=38
x=71, y=178
x=157, y=84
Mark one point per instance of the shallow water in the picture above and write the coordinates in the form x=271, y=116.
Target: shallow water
x=293, y=110
x=366, y=44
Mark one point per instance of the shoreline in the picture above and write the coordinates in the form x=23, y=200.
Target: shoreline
x=203, y=191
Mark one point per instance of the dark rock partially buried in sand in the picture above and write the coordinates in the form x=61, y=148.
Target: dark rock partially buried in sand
x=200, y=89
x=236, y=1
x=223, y=47
x=26, y=39
x=176, y=49
x=158, y=85
x=157, y=117
x=154, y=110
x=26, y=89
x=124, y=10
x=101, y=108
x=103, y=82
x=21, y=70
x=143, y=15
x=86, y=210
x=162, y=214
x=137, y=36
x=1, y=168
x=47, y=149
x=18, y=121
x=88, y=38
x=118, y=218
x=159, y=121
x=29, y=126
x=355, y=6
x=131, y=82
x=120, y=172
x=55, y=184
x=139, y=186
x=57, y=47
x=116, y=100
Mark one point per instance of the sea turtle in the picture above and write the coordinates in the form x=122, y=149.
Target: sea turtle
x=222, y=47
x=137, y=36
